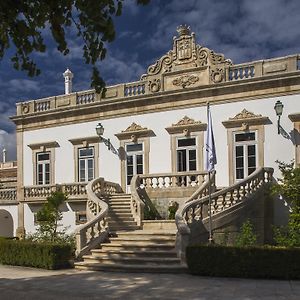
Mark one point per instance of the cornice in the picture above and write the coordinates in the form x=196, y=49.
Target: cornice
x=226, y=92
x=295, y=117
x=45, y=145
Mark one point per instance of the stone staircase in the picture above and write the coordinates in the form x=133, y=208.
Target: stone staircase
x=131, y=249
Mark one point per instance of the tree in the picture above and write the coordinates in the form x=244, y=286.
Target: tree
x=49, y=216
x=22, y=24
x=289, y=189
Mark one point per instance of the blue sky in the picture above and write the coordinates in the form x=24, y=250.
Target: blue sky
x=243, y=30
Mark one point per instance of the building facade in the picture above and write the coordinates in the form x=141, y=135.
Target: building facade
x=157, y=125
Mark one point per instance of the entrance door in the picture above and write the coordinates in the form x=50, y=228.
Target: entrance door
x=245, y=154
x=134, y=161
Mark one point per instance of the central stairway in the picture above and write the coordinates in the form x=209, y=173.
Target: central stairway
x=130, y=249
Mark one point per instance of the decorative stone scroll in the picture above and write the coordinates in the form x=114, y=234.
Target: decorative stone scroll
x=246, y=118
x=186, y=125
x=133, y=132
x=186, y=54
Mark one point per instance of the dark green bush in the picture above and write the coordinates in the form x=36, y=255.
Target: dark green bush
x=38, y=255
x=252, y=262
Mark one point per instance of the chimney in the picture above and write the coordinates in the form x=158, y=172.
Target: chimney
x=4, y=155
x=68, y=75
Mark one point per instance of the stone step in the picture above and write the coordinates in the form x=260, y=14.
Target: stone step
x=119, y=205
x=115, y=228
x=121, y=223
x=132, y=268
x=132, y=260
x=148, y=239
x=120, y=195
x=133, y=253
x=143, y=246
x=120, y=218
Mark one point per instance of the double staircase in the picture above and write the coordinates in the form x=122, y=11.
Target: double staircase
x=114, y=239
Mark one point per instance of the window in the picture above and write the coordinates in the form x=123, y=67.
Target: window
x=245, y=137
x=186, y=154
x=134, y=160
x=86, y=164
x=245, y=154
x=43, y=168
x=86, y=154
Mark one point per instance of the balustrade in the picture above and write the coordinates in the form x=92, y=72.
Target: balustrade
x=241, y=72
x=95, y=230
x=42, y=105
x=197, y=207
x=172, y=180
x=134, y=89
x=85, y=98
x=8, y=194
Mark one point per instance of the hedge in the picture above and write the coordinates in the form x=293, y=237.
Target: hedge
x=251, y=262
x=32, y=254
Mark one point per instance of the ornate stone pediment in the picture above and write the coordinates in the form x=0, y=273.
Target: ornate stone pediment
x=244, y=119
x=134, y=132
x=185, y=54
x=186, y=125
x=134, y=127
x=245, y=114
x=185, y=80
x=186, y=121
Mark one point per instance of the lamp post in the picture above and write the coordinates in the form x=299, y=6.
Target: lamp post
x=100, y=131
x=278, y=109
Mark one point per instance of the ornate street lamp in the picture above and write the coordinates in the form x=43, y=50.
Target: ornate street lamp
x=100, y=131
x=278, y=109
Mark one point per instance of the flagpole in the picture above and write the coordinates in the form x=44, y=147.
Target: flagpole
x=210, y=237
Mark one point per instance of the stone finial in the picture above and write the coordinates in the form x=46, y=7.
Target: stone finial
x=68, y=75
x=4, y=155
x=183, y=30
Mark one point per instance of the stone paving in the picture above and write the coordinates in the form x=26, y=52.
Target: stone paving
x=34, y=284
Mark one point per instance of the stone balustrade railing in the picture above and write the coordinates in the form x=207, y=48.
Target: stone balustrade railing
x=172, y=180
x=95, y=230
x=140, y=88
x=135, y=88
x=8, y=195
x=41, y=192
x=197, y=208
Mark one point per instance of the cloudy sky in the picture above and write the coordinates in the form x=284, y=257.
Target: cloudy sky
x=243, y=30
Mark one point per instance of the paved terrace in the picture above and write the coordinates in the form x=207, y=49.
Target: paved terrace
x=27, y=283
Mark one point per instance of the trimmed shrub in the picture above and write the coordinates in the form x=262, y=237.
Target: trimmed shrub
x=252, y=262
x=38, y=255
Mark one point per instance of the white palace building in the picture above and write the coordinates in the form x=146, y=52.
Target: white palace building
x=124, y=157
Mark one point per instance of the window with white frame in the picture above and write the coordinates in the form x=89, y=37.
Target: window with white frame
x=43, y=168
x=245, y=154
x=186, y=154
x=86, y=164
x=134, y=160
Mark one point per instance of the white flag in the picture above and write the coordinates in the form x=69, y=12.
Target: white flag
x=211, y=158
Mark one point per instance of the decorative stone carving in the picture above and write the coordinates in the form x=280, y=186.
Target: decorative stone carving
x=217, y=75
x=185, y=80
x=245, y=119
x=245, y=114
x=186, y=121
x=185, y=54
x=154, y=85
x=186, y=125
x=134, y=132
x=25, y=108
x=134, y=127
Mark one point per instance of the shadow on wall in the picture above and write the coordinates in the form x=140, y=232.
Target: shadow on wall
x=6, y=224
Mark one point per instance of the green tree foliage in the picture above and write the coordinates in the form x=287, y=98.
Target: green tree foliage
x=48, y=218
x=289, y=189
x=246, y=236
x=22, y=25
